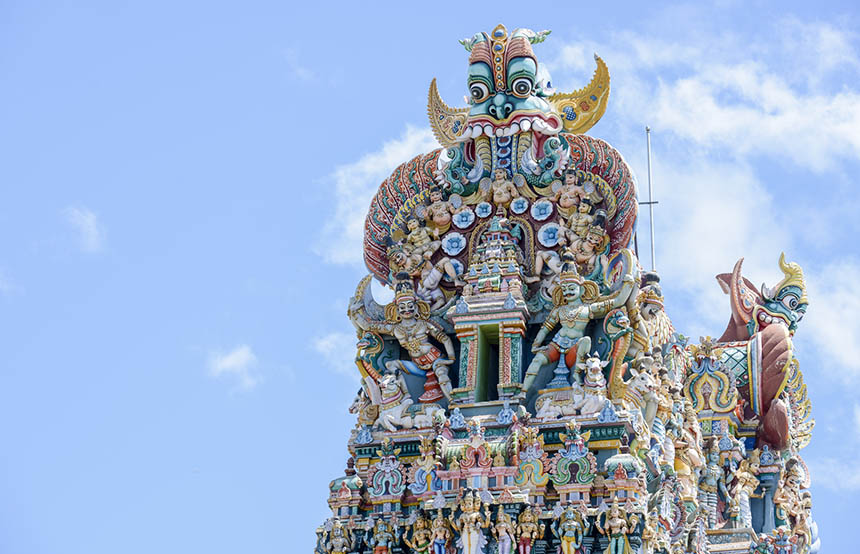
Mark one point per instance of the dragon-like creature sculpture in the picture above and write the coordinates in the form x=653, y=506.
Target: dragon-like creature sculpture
x=758, y=348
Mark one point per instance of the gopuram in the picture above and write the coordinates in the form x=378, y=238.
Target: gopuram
x=525, y=391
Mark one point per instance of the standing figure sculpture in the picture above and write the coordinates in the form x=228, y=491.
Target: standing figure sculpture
x=440, y=533
x=575, y=305
x=745, y=486
x=421, y=536
x=407, y=320
x=340, y=539
x=471, y=524
x=569, y=529
x=711, y=484
x=616, y=527
x=383, y=536
x=503, y=531
x=528, y=530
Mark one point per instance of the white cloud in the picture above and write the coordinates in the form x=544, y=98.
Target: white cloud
x=354, y=187
x=237, y=364
x=722, y=92
x=829, y=471
x=833, y=319
x=338, y=352
x=834, y=474
x=90, y=233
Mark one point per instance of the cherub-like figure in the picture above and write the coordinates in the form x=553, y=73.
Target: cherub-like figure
x=340, y=539
x=575, y=305
x=470, y=524
x=428, y=275
x=569, y=529
x=503, y=531
x=407, y=320
x=502, y=190
x=440, y=533
x=528, y=530
x=419, y=240
x=384, y=536
x=616, y=527
x=581, y=220
x=569, y=194
x=421, y=536
x=439, y=212
x=589, y=251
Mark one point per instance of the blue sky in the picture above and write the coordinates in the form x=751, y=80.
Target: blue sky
x=182, y=191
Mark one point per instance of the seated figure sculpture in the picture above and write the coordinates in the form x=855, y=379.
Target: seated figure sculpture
x=575, y=305
x=502, y=190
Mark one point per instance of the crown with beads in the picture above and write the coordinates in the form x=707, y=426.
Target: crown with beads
x=403, y=289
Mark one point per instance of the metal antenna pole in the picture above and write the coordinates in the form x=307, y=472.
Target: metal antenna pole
x=650, y=199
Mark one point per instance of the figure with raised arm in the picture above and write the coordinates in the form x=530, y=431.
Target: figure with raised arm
x=576, y=303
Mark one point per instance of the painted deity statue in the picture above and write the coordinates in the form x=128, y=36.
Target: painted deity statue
x=419, y=240
x=439, y=212
x=428, y=274
x=569, y=194
x=746, y=483
x=616, y=527
x=581, y=220
x=711, y=485
x=575, y=305
x=471, y=524
x=408, y=321
x=340, y=539
x=440, y=533
x=569, y=528
x=588, y=251
x=689, y=457
x=421, y=538
x=383, y=536
x=501, y=191
x=503, y=531
x=528, y=530
x=787, y=497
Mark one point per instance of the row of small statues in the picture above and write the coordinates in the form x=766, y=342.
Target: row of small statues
x=581, y=232
x=436, y=534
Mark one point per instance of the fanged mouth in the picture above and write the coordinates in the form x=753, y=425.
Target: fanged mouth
x=540, y=123
x=766, y=318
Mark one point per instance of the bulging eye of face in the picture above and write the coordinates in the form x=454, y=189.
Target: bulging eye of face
x=522, y=87
x=479, y=91
x=790, y=302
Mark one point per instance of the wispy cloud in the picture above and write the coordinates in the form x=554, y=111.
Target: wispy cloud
x=296, y=68
x=237, y=364
x=723, y=93
x=90, y=234
x=354, y=187
x=833, y=320
x=6, y=284
x=336, y=349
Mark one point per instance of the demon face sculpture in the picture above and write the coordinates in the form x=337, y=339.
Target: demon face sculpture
x=783, y=304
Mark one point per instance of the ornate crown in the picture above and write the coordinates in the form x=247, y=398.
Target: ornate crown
x=403, y=289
